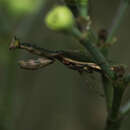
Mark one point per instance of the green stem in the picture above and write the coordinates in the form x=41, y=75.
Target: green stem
x=83, y=11
x=108, y=90
x=95, y=52
x=113, y=119
x=83, y=8
x=117, y=21
x=114, y=96
x=118, y=93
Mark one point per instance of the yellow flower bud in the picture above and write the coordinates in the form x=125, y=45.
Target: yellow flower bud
x=59, y=18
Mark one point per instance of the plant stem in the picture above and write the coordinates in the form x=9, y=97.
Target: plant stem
x=83, y=8
x=108, y=90
x=118, y=92
x=119, y=17
x=113, y=119
x=83, y=11
x=95, y=52
x=113, y=88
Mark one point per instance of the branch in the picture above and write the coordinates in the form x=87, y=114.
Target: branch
x=113, y=122
x=108, y=90
x=113, y=119
x=97, y=55
x=83, y=8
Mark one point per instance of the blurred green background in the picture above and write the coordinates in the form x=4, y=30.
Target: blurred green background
x=53, y=98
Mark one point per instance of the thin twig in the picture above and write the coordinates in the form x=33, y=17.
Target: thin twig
x=108, y=90
x=113, y=120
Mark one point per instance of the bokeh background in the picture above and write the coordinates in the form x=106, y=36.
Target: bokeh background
x=53, y=98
